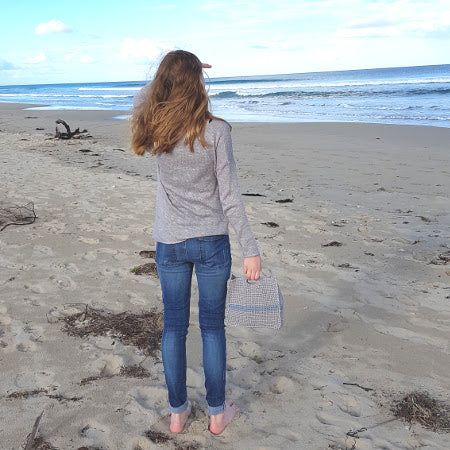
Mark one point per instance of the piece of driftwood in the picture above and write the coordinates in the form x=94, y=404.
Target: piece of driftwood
x=270, y=224
x=77, y=134
x=30, y=441
x=16, y=215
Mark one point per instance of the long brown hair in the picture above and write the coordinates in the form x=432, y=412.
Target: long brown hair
x=175, y=105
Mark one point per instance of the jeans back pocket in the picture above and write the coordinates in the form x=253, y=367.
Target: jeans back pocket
x=215, y=250
x=166, y=254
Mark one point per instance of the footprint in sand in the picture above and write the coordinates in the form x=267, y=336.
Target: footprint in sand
x=34, y=380
x=42, y=250
x=15, y=335
x=150, y=397
x=65, y=267
x=111, y=365
x=5, y=327
x=326, y=419
x=89, y=256
x=26, y=346
x=253, y=351
x=64, y=282
x=89, y=241
x=120, y=237
x=59, y=312
x=282, y=385
x=44, y=287
x=96, y=434
x=334, y=424
x=349, y=405
x=55, y=281
x=139, y=414
x=142, y=443
x=409, y=335
x=336, y=408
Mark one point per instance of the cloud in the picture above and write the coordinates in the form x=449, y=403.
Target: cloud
x=6, y=65
x=84, y=59
x=162, y=7
x=54, y=26
x=74, y=57
x=371, y=22
x=398, y=18
x=37, y=59
x=143, y=50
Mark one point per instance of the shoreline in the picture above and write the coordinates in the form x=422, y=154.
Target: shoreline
x=366, y=318
x=103, y=114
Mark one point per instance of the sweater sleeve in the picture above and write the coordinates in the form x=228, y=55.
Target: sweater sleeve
x=230, y=195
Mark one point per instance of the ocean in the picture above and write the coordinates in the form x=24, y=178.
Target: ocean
x=403, y=95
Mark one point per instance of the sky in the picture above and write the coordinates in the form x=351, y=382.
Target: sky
x=107, y=40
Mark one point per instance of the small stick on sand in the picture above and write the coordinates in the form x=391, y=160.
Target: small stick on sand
x=30, y=440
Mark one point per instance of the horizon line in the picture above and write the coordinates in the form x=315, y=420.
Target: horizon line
x=238, y=76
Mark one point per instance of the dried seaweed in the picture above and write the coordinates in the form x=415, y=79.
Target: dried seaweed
x=333, y=244
x=147, y=253
x=421, y=408
x=186, y=446
x=285, y=200
x=32, y=393
x=442, y=260
x=26, y=394
x=17, y=215
x=157, y=436
x=87, y=380
x=348, y=266
x=60, y=398
x=40, y=444
x=142, y=330
x=135, y=371
x=146, y=269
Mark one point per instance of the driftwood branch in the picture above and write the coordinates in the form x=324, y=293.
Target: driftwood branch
x=30, y=440
x=77, y=134
x=17, y=215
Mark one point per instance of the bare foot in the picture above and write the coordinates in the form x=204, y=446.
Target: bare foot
x=178, y=420
x=220, y=421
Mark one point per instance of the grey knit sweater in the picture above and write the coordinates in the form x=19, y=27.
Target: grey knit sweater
x=198, y=193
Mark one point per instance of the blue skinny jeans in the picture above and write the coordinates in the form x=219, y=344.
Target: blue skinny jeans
x=211, y=257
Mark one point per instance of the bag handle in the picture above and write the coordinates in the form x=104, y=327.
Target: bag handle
x=263, y=273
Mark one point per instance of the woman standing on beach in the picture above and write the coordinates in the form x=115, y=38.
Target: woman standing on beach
x=197, y=196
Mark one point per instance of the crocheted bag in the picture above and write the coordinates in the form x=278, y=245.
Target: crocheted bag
x=254, y=303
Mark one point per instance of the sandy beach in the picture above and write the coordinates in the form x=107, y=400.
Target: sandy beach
x=353, y=219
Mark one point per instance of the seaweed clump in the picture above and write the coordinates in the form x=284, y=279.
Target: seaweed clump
x=143, y=330
x=419, y=407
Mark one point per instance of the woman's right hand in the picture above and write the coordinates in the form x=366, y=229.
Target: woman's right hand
x=252, y=267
